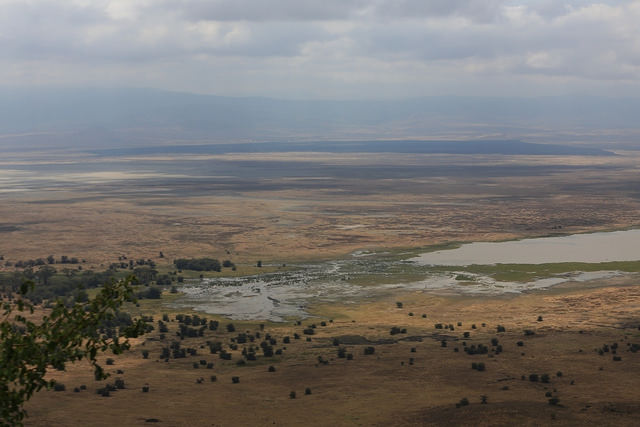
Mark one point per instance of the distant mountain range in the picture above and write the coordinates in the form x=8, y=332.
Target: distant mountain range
x=146, y=117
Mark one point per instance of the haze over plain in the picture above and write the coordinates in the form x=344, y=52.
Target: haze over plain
x=253, y=70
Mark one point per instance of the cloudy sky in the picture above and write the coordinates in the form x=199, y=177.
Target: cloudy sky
x=325, y=48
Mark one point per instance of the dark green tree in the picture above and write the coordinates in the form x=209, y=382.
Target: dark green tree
x=28, y=348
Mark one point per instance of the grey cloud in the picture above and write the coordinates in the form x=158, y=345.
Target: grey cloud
x=341, y=41
x=274, y=10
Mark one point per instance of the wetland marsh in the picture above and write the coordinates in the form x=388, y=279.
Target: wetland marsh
x=479, y=268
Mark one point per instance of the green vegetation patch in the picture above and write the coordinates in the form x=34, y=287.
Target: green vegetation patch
x=529, y=272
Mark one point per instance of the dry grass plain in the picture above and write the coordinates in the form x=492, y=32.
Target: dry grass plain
x=312, y=207
x=385, y=388
x=325, y=206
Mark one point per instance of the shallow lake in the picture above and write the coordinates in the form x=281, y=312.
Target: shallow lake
x=589, y=248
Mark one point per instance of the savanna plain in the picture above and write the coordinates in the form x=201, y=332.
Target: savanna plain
x=401, y=355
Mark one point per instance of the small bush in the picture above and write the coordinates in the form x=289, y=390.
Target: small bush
x=235, y=380
x=307, y=391
x=463, y=402
x=369, y=350
x=272, y=369
x=59, y=387
x=292, y=395
x=110, y=361
x=145, y=388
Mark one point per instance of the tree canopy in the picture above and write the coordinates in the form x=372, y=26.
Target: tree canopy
x=31, y=344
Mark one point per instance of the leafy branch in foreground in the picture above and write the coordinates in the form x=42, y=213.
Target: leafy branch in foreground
x=29, y=347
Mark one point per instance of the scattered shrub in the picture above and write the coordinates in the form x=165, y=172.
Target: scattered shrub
x=463, y=402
